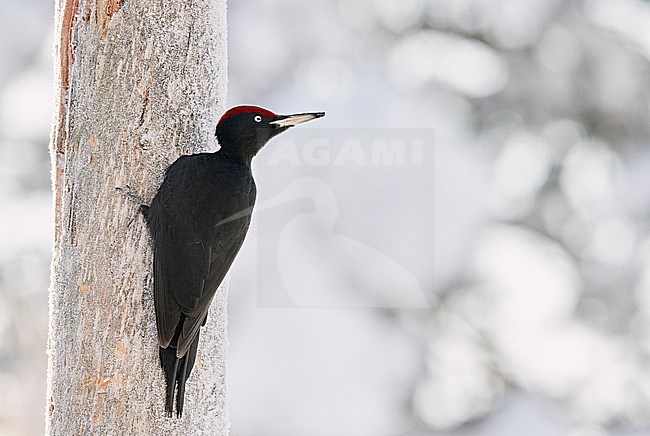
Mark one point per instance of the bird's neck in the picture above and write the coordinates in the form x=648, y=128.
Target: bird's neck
x=236, y=154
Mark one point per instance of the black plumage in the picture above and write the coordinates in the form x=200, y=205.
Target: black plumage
x=198, y=221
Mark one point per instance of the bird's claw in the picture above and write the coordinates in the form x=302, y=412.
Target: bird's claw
x=130, y=194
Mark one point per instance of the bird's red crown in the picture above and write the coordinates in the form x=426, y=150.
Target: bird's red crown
x=247, y=109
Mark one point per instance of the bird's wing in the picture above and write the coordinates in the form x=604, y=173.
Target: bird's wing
x=195, y=242
x=220, y=260
x=186, y=280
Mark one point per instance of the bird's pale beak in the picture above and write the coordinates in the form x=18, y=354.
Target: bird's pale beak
x=292, y=120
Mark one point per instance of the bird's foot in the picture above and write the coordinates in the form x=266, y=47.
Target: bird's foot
x=130, y=194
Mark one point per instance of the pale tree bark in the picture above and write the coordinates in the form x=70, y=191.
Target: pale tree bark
x=139, y=83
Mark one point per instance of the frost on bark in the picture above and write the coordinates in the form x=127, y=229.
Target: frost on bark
x=138, y=84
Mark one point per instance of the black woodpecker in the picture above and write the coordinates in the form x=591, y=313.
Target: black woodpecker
x=198, y=221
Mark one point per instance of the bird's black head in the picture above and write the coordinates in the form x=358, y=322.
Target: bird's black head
x=244, y=130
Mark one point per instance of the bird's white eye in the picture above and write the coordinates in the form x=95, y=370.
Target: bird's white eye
x=258, y=118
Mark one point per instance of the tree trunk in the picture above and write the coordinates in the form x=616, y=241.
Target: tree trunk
x=139, y=83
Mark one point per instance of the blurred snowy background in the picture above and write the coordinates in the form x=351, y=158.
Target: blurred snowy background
x=525, y=234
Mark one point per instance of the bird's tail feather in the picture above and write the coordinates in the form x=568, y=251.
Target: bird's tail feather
x=169, y=364
x=177, y=370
